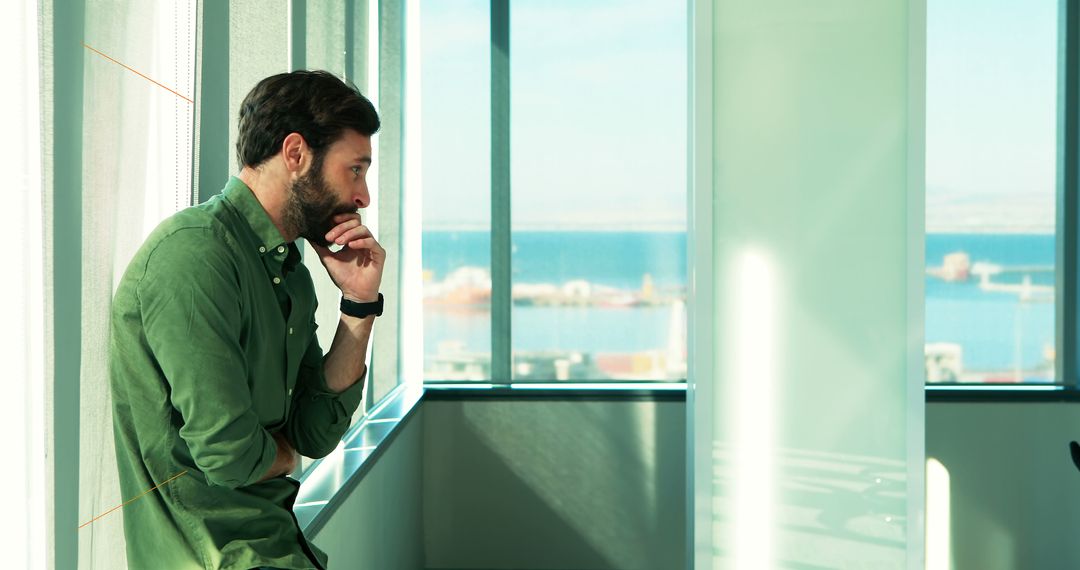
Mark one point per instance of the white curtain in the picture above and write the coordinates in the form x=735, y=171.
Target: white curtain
x=137, y=149
x=22, y=343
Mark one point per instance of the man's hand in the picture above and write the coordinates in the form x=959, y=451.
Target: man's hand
x=357, y=268
x=285, y=461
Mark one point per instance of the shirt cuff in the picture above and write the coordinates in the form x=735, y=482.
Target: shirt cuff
x=350, y=398
x=269, y=455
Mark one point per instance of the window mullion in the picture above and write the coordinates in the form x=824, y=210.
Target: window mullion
x=1067, y=279
x=500, y=193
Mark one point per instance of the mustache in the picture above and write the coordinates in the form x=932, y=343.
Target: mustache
x=344, y=210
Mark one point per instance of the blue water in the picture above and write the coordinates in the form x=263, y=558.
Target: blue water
x=997, y=332
x=617, y=259
x=614, y=259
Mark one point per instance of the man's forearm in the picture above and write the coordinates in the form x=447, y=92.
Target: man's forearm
x=344, y=362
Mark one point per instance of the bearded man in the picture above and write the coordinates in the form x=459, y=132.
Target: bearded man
x=218, y=380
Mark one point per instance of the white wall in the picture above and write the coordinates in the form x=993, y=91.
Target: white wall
x=533, y=484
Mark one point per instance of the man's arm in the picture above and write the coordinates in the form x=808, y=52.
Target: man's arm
x=357, y=271
x=333, y=386
x=344, y=363
x=329, y=388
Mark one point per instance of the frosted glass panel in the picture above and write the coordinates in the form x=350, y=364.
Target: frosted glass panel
x=808, y=428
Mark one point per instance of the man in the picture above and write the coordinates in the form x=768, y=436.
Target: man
x=215, y=369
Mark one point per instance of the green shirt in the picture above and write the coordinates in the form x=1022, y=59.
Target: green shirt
x=212, y=349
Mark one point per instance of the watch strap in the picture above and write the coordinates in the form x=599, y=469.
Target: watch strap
x=361, y=310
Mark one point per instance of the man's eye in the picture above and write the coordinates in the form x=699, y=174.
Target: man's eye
x=355, y=170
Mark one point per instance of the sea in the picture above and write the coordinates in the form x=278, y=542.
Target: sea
x=613, y=259
x=997, y=330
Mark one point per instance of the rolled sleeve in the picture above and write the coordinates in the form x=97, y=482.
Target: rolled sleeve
x=320, y=417
x=189, y=299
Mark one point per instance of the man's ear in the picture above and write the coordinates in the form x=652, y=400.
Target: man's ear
x=295, y=153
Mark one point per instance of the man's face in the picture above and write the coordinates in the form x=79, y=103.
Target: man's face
x=334, y=184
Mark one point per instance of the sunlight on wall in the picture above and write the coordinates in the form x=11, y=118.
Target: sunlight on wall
x=938, y=516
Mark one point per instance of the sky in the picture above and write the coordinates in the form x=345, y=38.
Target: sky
x=598, y=114
x=991, y=107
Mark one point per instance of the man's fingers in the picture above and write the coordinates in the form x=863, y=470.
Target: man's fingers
x=342, y=217
x=342, y=227
x=353, y=234
x=363, y=243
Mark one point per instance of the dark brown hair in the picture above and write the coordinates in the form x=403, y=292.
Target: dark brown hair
x=315, y=104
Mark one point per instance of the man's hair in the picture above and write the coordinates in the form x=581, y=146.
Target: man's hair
x=315, y=104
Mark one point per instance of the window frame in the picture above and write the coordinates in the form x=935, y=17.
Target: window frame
x=501, y=227
x=1067, y=243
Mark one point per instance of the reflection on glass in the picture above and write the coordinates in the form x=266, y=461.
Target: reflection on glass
x=990, y=189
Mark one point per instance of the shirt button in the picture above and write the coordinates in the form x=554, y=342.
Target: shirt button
x=262, y=249
x=277, y=280
x=290, y=330
x=290, y=391
x=281, y=249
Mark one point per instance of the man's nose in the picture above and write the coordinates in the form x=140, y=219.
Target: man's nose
x=362, y=199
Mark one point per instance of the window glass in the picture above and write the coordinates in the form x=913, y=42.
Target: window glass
x=991, y=141
x=456, y=174
x=598, y=178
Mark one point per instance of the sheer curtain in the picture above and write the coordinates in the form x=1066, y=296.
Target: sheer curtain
x=22, y=349
x=137, y=148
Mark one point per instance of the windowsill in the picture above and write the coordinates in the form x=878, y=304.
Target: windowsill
x=990, y=393
x=354, y=456
x=557, y=390
x=337, y=473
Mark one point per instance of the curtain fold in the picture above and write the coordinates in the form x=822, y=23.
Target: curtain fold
x=22, y=411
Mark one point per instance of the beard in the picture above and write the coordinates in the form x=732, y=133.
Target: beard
x=312, y=205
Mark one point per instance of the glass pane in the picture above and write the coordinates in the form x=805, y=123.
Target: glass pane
x=807, y=417
x=456, y=174
x=598, y=131
x=990, y=190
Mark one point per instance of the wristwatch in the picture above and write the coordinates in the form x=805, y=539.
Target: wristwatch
x=361, y=310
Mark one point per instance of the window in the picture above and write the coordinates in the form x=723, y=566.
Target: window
x=595, y=108
x=991, y=147
x=455, y=109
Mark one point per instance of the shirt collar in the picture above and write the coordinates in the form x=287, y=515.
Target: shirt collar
x=266, y=240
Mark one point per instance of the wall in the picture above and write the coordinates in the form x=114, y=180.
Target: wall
x=378, y=527
x=554, y=484
x=1014, y=492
